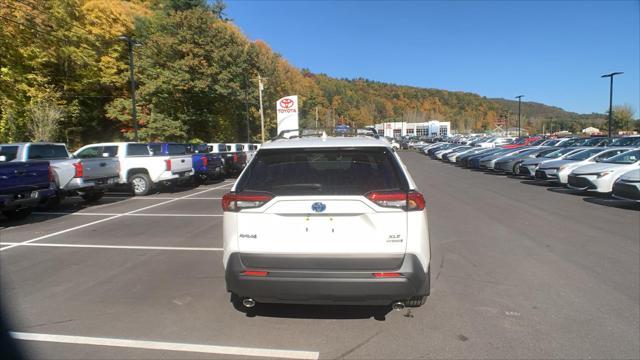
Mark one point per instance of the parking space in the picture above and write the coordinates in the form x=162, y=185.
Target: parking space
x=518, y=271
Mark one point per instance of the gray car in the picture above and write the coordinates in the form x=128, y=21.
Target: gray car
x=509, y=164
x=488, y=162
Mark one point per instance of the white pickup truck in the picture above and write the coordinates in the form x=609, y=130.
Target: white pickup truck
x=139, y=167
x=88, y=177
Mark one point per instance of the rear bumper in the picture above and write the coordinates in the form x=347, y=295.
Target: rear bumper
x=25, y=199
x=101, y=183
x=314, y=286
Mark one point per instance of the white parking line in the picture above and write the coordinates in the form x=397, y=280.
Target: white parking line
x=114, y=214
x=170, y=346
x=95, y=246
x=111, y=218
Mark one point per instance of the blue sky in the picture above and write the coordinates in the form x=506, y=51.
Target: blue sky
x=552, y=51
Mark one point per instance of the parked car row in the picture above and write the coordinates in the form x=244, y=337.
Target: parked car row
x=579, y=164
x=32, y=174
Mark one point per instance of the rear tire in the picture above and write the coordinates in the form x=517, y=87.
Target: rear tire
x=92, y=196
x=17, y=214
x=141, y=184
x=54, y=202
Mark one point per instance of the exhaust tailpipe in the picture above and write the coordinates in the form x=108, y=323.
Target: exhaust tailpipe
x=248, y=302
x=397, y=306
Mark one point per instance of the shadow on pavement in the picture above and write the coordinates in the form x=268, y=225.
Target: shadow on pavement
x=563, y=190
x=536, y=183
x=612, y=202
x=296, y=311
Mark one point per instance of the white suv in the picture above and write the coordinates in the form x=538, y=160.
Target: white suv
x=331, y=220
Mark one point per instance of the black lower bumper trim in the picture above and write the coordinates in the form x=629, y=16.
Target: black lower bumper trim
x=328, y=286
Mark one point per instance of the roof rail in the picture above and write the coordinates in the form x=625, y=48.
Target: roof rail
x=340, y=131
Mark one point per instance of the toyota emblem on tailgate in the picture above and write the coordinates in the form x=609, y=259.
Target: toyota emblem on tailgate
x=318, y=207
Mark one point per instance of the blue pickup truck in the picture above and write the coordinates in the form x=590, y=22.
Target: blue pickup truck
x=23, y=185
x=205, y=166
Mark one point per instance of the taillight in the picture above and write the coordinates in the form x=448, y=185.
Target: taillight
x=205, y=161
x=79, y=170
x=51, y=177
x=415, y=201
x=235, y=157
x=411, y=201
x=236, y=202
x=167, y=164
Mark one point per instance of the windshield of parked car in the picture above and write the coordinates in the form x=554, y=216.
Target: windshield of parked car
x=558, y=153
x=626, y=141
x=47, y=152
x=583, y=155
x=629, y=157
x=322, y=171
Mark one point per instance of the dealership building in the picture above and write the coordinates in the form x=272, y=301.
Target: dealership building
x=431, y=128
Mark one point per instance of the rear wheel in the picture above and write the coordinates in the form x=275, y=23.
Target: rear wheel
x=17, y=214
x=141, y=184
x=55, y=201
x=92, y=196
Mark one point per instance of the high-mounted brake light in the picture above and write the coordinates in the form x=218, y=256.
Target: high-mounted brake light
x=236, y=202
x=167, y=164
x=79, y=170
x=411, y=201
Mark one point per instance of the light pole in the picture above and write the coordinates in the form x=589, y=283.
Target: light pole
x=519, y=97
x=611, y=96
x=260, y=88
x=132, y=42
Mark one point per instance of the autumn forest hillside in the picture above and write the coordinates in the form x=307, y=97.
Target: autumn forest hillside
x=64, y=76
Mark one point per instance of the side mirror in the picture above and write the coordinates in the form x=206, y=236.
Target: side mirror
x=3, y=158
x=105, y=155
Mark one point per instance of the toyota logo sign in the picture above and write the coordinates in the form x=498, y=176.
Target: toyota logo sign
x=286, y=103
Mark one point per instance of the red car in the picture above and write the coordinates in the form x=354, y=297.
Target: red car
x=523, y=141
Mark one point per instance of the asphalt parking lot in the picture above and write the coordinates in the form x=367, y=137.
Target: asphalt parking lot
x=519, y=270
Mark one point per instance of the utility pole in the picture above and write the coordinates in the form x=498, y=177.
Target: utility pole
x=260, y=88
x=519, y=97
x=611, y=96
x=131, y=42
x=246, y=107
x=316, y=117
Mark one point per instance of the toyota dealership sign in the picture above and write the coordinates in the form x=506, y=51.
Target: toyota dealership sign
x=287, y=113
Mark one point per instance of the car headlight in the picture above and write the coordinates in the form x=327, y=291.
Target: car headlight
x=603, y=174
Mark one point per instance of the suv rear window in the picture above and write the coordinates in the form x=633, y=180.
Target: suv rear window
x=323, y=171
x=47, y=151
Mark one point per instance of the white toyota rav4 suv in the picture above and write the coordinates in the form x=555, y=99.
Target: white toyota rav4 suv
x=326, y=220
